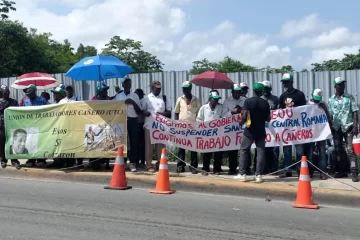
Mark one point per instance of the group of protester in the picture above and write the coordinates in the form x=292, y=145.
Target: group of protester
x=341, y=110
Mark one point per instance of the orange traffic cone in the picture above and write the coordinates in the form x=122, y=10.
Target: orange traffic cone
x=163, y=181
x=118, y=178
x=304, y=195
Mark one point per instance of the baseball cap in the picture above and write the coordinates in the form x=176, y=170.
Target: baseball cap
x=156, y=84
x=186, y=84
x=62, y=86
x=243, y=85
x=3, y=86
x=287, y=77
x=258, y=86
x=267, y=84
x=101, y=86
x=214, y=95
x=58, y=90
x=339, y=80
x=69, y=87
x=236, y=87
x=31, y=86
x=317, y=94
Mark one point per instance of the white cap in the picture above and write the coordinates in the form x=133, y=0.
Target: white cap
x=317, y=94
x=267, y=83
x=339, y=80
x=243, y=85
x=236, y=87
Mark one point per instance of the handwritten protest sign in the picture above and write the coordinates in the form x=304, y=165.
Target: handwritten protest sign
x=287, y=127
x=91, y=129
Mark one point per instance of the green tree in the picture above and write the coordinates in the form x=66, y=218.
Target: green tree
x=5, y=8
x=130, y=51
x=19, y=52
x=85, y=51
x=227, y=65
x=348, y=62
x=283, y=69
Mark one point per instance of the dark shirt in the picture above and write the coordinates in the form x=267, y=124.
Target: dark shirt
x=297, y=96
x=4, y=104
x=273, y=101
x=259, y=110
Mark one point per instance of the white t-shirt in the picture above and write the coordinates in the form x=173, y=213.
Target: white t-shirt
x=206, y=114
x=130, y=108
x=153, y=104
x=66, y=100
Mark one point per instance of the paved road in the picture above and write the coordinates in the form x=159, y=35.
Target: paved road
x=49, y=210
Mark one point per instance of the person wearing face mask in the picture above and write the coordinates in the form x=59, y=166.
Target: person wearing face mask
x=154, y=103
x=344, y=113
x=211, y=111
x=32, y=99
x=233, y=105
x=133, y=106
x=316, y=99
x=291, y=97
x=186, y=109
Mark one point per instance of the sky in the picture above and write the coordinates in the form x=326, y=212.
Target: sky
x=257, y=32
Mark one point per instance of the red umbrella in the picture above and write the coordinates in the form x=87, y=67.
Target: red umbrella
x=40, y=80
x=213, y=80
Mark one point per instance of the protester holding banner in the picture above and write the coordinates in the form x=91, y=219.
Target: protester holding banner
x=32, y=99
x=292, y=97
x=272, y=153
x=69, y=95
x=59, y=94
x=316, y=99
x=211, y=111
x=153, y=103
x=233, y=105
x=5, y=102
x=344, y=113
x=186, y=109
x=133, y=105
x=256, y=112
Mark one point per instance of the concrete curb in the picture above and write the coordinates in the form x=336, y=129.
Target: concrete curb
x=210, y=185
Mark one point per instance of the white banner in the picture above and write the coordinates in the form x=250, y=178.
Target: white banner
x=287, y=127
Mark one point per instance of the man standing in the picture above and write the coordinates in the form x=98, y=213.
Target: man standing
x=344, y=113
x=258, y=110
x=186, y=109
x=211, y=111
x=292, y=97
x=234, y=104
x=5, y=102
x=153, y=103
x=132, y=102
x=141, y=121
x=273, y=152
x=32, y=99
x=59, y=94
x=69, y=95
x=244, y=89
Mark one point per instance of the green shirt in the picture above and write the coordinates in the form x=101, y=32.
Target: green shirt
x=341, y=110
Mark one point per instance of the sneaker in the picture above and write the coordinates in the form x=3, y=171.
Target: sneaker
x=3, y=164
x=258, y=179
x=193, y=170
x=241, y=178
x=354, y=177
x=40, y=164
x=16, y=165
x=30, y=164
x=133, y=167
x=323, y=176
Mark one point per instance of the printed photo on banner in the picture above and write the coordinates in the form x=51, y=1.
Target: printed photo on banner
x=24, y=140
x=103, y=137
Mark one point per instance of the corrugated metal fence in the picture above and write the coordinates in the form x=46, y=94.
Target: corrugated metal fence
x=171, y=81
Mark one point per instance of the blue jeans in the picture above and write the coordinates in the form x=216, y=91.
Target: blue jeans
x=288, y=155
x=330, y=157
x=321, y=146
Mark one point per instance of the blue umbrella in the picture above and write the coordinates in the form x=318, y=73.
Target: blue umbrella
x=99, y=68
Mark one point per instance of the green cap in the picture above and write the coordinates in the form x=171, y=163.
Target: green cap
x=339, y=80
x=31, y=86
x=317, y=94
x=287, y=77
x=58, y=90
x=100, y=87
x=214, y=95
x=258, y=87
x=187, y=84
x=236, y=87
